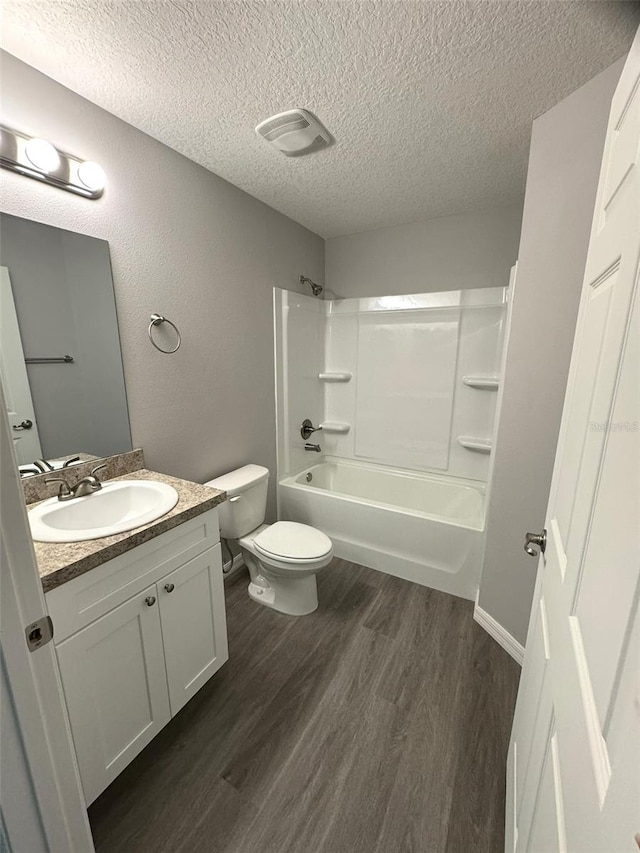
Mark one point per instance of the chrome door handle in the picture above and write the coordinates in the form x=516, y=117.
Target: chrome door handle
x=26, y=424
x=150, y=600
x=169, y=587
x=539, y=539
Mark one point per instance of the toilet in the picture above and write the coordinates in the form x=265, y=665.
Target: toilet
x=283, y=558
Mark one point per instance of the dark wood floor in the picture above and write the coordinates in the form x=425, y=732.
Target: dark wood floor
x=378, y=724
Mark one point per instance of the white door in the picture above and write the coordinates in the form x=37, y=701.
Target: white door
x=194, y=627
x=13, y=372
x=42, y=804
x=574, y=759
x=115, y=685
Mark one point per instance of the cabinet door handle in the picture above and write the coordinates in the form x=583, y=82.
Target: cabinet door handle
x=150, y=600
x=169, y=587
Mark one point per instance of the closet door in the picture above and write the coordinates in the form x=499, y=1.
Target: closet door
x=194, y=626
x=115, y=684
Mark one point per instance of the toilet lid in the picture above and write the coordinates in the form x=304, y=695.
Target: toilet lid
x=293, y=541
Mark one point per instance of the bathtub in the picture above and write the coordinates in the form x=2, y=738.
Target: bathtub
x=425, y=528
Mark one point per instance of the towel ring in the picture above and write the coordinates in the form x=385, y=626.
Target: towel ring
x=156, y=320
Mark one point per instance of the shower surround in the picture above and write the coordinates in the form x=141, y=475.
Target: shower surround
x=405, y=389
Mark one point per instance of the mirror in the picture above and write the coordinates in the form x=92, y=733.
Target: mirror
x=60, y=359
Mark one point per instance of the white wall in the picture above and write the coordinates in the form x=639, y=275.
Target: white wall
x=184, y=243
x=451, y=253
x=564, y=165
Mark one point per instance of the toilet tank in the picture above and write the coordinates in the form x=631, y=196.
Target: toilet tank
x=246, y=503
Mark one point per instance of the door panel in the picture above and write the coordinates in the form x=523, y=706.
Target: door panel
x=600, y=384
x=605, y=599
x=547, y=829
x=115, y=685
x=620, y=812
x=533, y=676
x=192, y=610
x=595, y=328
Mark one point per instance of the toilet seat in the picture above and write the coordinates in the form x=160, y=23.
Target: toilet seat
x=291, y=542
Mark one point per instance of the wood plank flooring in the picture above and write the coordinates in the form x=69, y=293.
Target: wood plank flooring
x=378, y=724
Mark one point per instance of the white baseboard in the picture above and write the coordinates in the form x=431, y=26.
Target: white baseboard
x=499, y=634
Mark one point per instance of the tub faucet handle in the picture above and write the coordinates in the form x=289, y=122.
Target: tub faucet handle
x=307, y=428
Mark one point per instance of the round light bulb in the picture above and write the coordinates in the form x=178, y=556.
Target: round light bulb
x=42, y=155
x=92, y=176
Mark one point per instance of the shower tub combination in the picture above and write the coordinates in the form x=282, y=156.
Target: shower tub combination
x=403, y=392
x=424, y=528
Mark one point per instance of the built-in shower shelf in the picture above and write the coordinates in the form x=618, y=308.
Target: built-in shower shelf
x=479, y=445
x=334, y=377
x=334, y=426
x=486, y=383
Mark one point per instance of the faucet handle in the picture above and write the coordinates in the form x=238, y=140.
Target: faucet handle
x=98, y=468
x=64, y=490
x=307, y=429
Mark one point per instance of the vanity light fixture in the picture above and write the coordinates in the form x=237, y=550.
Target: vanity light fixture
x=38, y=158
x=92, y=176
x=41, y=154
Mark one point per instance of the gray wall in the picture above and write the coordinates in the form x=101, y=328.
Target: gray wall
x=564, y=166
x=184, y=243
x=63, y=293
x=454, y=252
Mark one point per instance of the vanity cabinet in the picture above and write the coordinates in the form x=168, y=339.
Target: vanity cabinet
x=136, y=638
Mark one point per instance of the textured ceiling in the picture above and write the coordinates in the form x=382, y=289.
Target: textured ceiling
x=430, y=103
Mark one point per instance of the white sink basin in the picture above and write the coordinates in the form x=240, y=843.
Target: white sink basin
x=117, y=507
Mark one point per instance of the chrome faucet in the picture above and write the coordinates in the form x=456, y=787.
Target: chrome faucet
x=87, y=486
x=316, y=447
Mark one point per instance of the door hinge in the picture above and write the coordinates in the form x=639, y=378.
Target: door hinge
x=39, y=633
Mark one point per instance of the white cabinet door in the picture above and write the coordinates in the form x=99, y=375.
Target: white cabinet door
x=115, y=684
x=194, y=625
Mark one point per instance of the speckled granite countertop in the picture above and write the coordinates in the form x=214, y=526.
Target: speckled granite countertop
x=59, y=562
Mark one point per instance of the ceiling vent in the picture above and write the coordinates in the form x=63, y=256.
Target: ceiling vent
x=294, y=133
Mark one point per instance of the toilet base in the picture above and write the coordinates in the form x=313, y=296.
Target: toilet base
x=288, y=593
x=297, y=597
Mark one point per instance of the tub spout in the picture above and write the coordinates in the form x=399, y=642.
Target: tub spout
x=316, y=447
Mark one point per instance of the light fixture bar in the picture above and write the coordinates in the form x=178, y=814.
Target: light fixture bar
x=37, y=158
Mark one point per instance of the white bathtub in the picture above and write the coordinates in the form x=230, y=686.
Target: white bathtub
x=422, y=527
